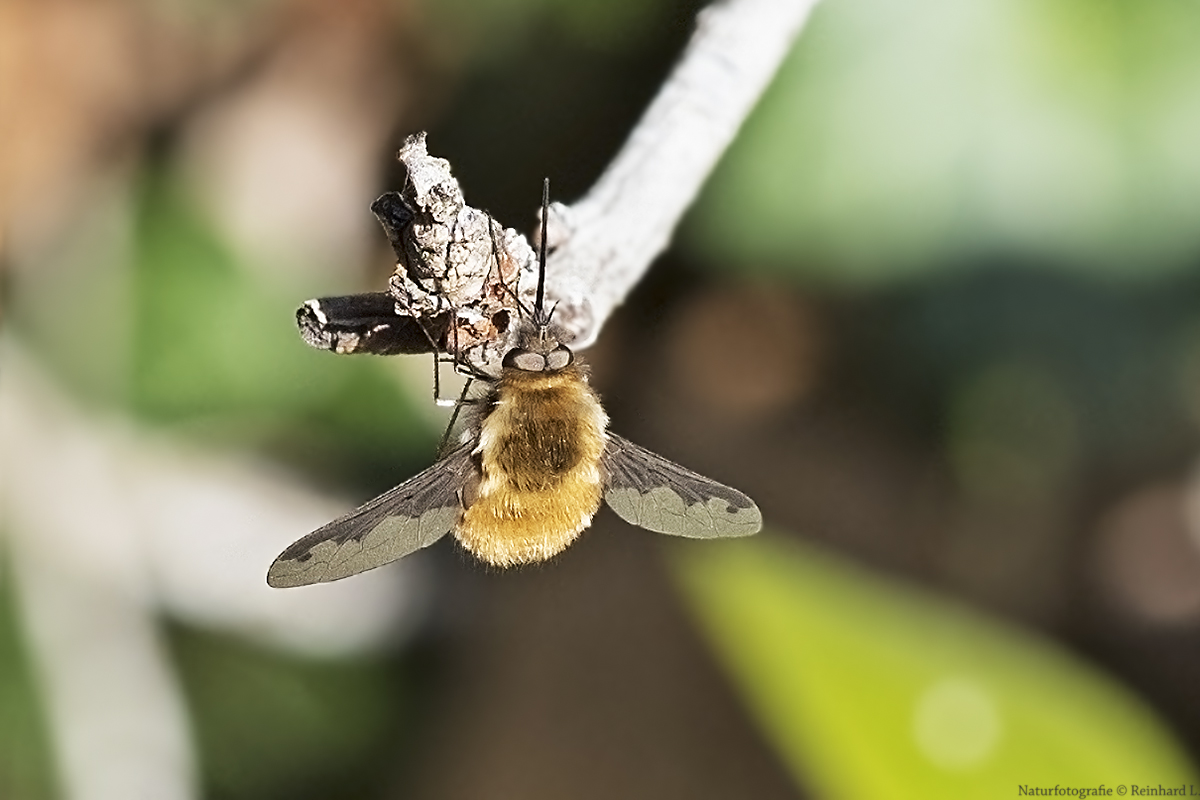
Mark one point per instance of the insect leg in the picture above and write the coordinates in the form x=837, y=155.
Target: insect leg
x=517, y=280
x=462, y=400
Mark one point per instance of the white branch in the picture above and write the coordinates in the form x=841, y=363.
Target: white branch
x=627, y=218
x=605, y=242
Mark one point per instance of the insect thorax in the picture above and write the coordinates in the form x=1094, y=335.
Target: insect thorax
x=543, y=426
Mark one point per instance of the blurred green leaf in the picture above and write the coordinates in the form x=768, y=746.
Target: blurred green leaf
x=899, y=139
x=25, y=763
x=871, y=689
x=269, y=725
x=210, y=338
x=217, y=346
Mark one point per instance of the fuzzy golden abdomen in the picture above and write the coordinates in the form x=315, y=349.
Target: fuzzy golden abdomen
x=539, y=452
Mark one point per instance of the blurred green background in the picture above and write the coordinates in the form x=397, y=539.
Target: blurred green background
x=937, y=311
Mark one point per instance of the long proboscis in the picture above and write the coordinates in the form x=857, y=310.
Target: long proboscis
x=539, y=313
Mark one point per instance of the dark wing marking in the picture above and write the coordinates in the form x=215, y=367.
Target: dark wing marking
x=651, y=492
x=413, y=515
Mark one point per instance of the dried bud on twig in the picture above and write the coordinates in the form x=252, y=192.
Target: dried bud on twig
x=459, y=271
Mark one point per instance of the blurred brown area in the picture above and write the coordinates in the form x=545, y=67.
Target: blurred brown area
x=584, y=678
x=87, y=86
x=81, y=85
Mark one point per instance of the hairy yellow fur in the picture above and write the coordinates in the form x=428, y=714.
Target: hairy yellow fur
x=539, y=450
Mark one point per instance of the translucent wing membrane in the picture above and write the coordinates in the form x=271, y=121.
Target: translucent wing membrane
x=649, y=491
x=415, y=514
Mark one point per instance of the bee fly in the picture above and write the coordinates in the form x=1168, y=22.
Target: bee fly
x=526, y=479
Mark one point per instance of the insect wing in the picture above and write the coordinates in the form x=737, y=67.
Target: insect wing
x=649, y=491
x=413, y=515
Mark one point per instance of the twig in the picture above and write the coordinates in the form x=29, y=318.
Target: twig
x=619, y=227
x=605, y=242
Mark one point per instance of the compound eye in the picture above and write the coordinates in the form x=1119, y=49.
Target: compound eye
x=559, y=358
x=525, y=360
